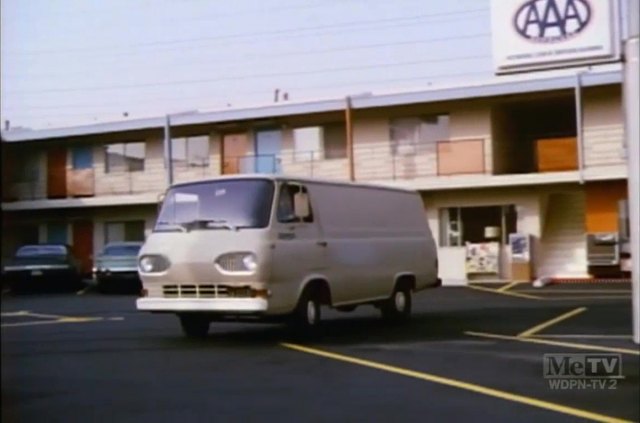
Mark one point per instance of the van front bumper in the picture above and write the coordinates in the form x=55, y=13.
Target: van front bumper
x=220, y=305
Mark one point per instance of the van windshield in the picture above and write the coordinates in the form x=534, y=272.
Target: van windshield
x=232, y=204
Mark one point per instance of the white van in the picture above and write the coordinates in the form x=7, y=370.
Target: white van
x=259, y=247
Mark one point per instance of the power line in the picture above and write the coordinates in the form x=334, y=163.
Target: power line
x=236, y=77
x=269, y=92
x=347, y=25
x=275, y=57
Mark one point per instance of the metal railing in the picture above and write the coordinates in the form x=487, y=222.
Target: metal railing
x=374, y=161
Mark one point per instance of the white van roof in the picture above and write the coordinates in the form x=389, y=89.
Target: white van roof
x=294, y=178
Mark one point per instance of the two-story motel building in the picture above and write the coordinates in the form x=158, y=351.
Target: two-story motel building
x=541, y=155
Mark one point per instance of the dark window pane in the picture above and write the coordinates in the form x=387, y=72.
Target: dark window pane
x=82, y=157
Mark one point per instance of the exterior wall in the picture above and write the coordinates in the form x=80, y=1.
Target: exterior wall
x=603, y=133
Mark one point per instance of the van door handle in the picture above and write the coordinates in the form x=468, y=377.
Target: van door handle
x=322, y=243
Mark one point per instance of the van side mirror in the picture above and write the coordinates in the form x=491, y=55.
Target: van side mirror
x=301, y=205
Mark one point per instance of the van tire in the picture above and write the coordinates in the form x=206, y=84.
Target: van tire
x=194, y=326
x=398, y=307
x=307, y=314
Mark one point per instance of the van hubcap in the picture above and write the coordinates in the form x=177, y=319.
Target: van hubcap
x=400, y=301
x=311, y=313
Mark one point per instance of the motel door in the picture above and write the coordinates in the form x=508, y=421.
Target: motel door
x=235, y=148
x=57, y=173
x=83, y=243
x=268, y=147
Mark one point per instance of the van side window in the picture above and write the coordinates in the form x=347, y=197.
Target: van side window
x=286, y=209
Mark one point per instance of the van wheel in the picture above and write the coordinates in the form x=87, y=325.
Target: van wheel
x=398, y=306
x=194, y=326
x=307, y=313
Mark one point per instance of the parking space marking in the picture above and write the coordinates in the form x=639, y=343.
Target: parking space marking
x=552, y=322
x=50, y=319
x=589, y=297
x=575, y=291
x=509, y=293
x=496, y=393
x=536, y=340
x=15, y=313
x=509, y=286
x=54, y=322
x=585, y=336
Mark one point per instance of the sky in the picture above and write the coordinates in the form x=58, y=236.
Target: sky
x=72, y=62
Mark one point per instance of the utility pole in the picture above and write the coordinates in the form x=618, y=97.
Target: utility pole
x=631, y=96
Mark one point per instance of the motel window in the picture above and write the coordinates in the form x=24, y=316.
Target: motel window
x=27, y=168
x=57, y=233
x=125, y=157
x=411, y=135
x=190, y=151
x=320, y=142
x=459, y=225
x=82, y=157
x=132, y=230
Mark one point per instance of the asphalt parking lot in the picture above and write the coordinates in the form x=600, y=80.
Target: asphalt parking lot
x=469, y=353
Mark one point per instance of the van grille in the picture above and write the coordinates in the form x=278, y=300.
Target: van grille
x=206, y=291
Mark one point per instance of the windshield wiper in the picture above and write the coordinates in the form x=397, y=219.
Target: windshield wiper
x=170, y=227
x=210, y=224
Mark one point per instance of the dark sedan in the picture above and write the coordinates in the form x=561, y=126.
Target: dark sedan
x=43, y=267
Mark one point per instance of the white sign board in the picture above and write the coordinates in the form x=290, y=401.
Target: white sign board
x=543, y=34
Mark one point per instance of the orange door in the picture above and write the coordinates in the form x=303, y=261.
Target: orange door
x=57, y=173
x=235, y=148
x=83, y=243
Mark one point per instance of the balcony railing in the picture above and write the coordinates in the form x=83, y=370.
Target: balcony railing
x=374, y=161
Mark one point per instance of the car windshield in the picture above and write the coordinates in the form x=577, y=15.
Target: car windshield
x=41, y=250
x=232, y=204
x=122, y=250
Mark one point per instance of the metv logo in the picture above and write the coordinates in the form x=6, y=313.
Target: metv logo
x=548, y=21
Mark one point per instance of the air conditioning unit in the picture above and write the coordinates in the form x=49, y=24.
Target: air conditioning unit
x=603, y=249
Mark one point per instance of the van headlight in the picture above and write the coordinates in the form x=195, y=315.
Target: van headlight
x=237, y=262
x=153, y=264
x=250, y=262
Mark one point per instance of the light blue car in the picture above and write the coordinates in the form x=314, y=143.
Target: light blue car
x=116, y=268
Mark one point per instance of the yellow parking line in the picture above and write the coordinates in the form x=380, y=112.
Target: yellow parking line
x=554, y=343
x=552, y=322
x=508, y=396
x=509, y=286
x=576, y=291
x=14, y=313
x=45, y=316
x=83, y=291
x=509, y=293
x=584, y=336
x=587, y=297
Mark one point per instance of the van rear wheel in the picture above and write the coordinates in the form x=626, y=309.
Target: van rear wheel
x=194, y=326
x=398, y=306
